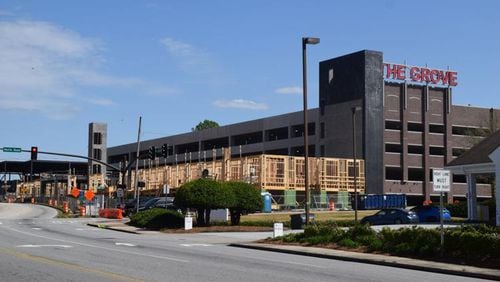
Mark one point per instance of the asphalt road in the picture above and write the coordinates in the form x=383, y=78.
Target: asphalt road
x=34, y=246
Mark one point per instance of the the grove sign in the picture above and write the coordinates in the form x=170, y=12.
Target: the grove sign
x=420, y=74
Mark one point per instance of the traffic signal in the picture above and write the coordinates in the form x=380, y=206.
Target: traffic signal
x=164, y=150
x=34, y=153
x=152, y=153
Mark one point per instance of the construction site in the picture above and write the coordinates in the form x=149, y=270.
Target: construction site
x=330, y=179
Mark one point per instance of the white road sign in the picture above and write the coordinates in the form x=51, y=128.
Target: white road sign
x=119, y=192
x=441, y=180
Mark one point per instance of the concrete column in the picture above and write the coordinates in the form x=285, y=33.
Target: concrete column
x=471, y=197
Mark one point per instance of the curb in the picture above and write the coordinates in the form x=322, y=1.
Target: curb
x=104, y=226
x=468, y=271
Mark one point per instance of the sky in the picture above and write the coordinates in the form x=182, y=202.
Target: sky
x=64, y=64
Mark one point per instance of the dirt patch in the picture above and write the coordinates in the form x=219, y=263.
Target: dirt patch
x=220, y=229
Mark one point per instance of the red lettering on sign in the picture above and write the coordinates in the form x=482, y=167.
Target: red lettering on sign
x=435, y=78
x=391, y=71
x=401, y=72
x=452, y=76
x=444, y=77
x=421, y=74
x=425, y=74
x=415, y=74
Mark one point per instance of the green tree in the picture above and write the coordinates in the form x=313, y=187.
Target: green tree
x=247, y=199
x=206, y=124
x=204, y=195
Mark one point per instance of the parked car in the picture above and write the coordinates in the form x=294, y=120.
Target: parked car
x=430, y=213
x=130, y=206
x=165, y=203
x=391, y=216
x=157, y=202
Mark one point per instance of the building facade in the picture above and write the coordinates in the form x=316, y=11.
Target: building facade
x=404, y=127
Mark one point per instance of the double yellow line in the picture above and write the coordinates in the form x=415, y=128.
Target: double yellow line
x=82, y=269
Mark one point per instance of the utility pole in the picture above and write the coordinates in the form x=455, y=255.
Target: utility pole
x=137, y=164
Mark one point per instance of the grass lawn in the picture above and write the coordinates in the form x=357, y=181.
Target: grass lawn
x=319, y=216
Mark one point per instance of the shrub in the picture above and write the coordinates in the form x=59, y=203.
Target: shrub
x=468, y=243
x=204, y=195
x=360, y=230
x=156, y=219
x=346, y=242
x=311, y=230
x=374, y=245
x=318, y=240
x=247, y=199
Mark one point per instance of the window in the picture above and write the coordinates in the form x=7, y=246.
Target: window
x=469, y=131
x=393, y=125
x=415, y=149
x=298, y=130
x=393, y=173
x=459, y=178
x=277, y=134
x=96, y=169
x=436, y=128
x=437, y=151
x=97, y=138
x=413, y=126
x=322, y=130
x=249, y=138
x=97, y=154
x=393, y=148
x=416, y=174
x=214, y=143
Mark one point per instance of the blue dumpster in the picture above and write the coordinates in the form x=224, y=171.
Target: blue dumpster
x=266, y=199
x=377, y=202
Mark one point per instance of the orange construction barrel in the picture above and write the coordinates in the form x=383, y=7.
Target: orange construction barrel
x=65, y=207
x=82, y=210
x=331, y=205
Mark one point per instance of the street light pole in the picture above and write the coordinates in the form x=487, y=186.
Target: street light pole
x=354, y=110
x=305, y=41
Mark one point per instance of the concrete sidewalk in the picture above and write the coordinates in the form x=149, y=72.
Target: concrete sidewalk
x=121, y=226
x=408, y=263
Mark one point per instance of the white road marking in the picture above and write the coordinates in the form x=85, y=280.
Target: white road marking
x=87, y=229
x=196, y=245
x=36, y=228
x=44, y=246
x=99, y=247
x=125, y=244
x=1, y=223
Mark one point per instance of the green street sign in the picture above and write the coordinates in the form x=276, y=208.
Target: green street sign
x=11, y=150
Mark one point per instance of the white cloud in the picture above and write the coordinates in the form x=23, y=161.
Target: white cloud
x=43, y=65
x=240, y=104
x=194, y=61
x=189, y=58
x=289, y=90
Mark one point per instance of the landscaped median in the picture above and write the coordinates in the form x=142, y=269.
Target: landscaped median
x=467, y=245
